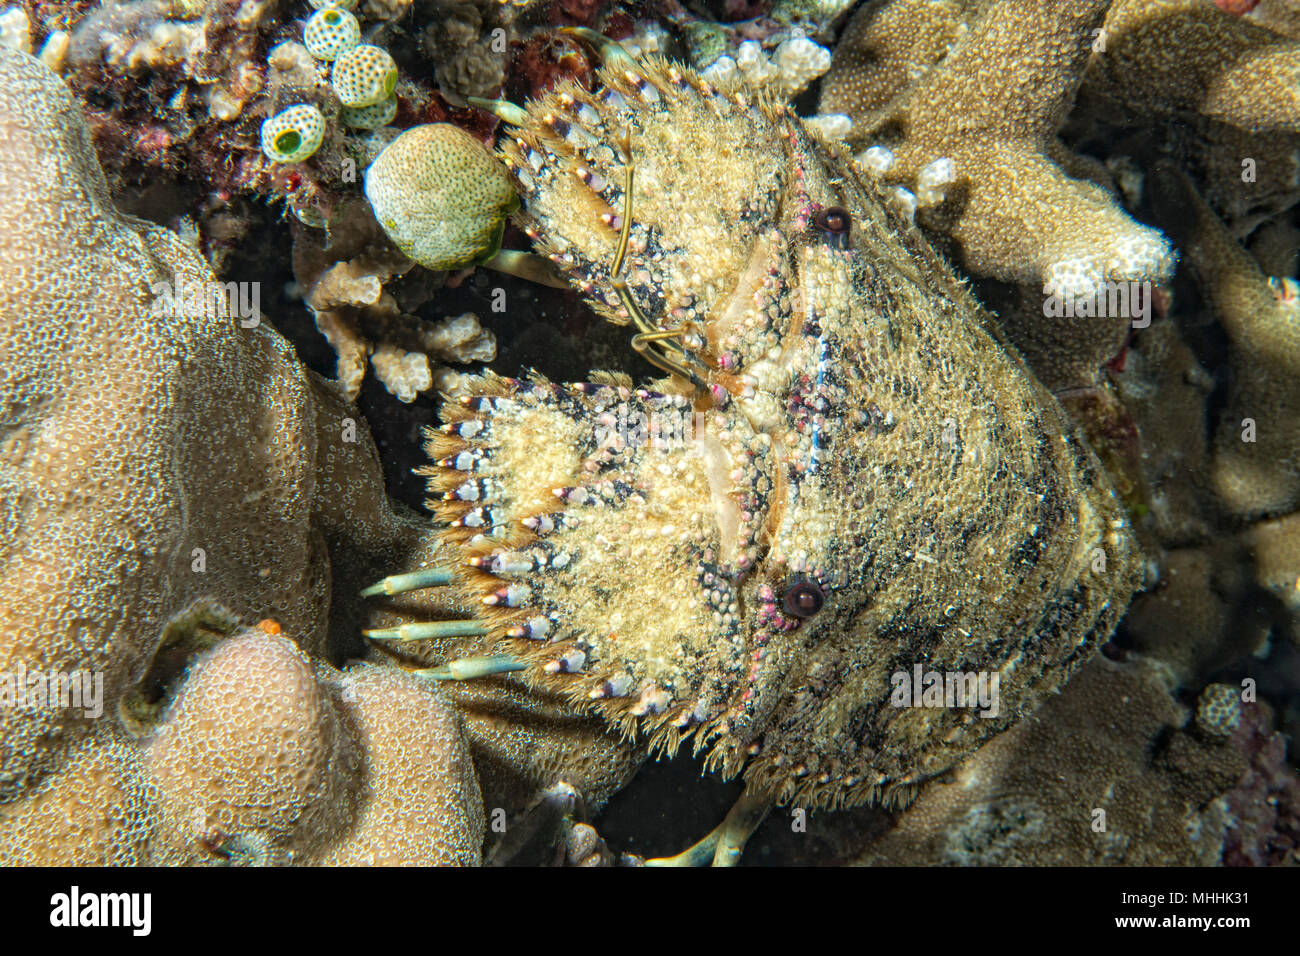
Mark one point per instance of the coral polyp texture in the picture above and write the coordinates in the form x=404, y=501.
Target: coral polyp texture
x=1022, y=208
x=434, y=432
x=110, y=394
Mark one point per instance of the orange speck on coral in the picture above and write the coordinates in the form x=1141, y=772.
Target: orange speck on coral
x=1236, y=7
x=270, y=625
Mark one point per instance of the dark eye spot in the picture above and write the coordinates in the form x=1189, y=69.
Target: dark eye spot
x=835, y=222
x=803, y=598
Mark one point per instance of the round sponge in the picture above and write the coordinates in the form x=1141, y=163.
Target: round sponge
x=441, y=196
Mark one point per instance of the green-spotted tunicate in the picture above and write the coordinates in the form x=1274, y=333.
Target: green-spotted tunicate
x=364, y=75
x=330, y=33
x=294, y=134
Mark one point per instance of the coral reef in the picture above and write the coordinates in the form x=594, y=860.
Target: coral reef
x=260, y=760
x=310, y=525
x=344, y=284
x=1018, y=207
x=189, y=512
x=1227, y=81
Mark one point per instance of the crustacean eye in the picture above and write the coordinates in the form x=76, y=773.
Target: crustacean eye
x=836, y=223
x=803, y=598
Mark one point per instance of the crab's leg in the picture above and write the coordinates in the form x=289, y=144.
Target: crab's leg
x=726, y=843
x=400, y=583
x=472, y=668
x=428, y=630
x=611, y=52
x=414, y=581
x=649, y=333
x=527, y=266
x=503, y=110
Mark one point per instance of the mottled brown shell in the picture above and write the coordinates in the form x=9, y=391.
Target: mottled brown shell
x=860, y=434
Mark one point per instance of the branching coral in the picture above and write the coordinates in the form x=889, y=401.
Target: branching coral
x=1229, y=80
x=1188, y=59
x=344, y=284
x=1166, y=389
x=1275, y=552
x=1019, y=209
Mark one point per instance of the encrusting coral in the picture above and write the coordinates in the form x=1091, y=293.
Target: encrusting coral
x=1102, y=775
x=314, y=765
x=252, y=745
x=264, y=758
